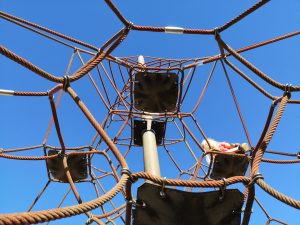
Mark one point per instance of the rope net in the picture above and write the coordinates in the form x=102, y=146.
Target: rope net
x=103, y=172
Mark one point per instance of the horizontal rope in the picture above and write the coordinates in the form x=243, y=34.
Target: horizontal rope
x=59, y=213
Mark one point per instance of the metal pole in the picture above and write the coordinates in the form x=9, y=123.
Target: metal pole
x=151, y=161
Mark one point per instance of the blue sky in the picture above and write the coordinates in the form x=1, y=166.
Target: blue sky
x=24, y=120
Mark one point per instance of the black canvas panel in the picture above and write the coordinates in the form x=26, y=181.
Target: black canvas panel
x=140, y=126
x=155, y=92
x=187, y=208
x=228, y=166
x=77, y=165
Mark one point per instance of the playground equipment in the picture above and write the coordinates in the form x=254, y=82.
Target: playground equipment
x=150, y=109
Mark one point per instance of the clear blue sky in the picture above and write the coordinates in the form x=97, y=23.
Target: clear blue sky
x=24, y=120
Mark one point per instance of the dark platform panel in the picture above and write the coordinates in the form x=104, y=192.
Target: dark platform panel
x=187, y=208
x=139, y=127
x=228, y=166
x=77, y=165
x=155, y=92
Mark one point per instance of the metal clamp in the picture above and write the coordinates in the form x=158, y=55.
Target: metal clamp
x=254, y=179
x=199, y=63
x=63, y=155
x=128, y=172
x=162, y=192
x=118, y=60
x=275, y=101
x=129, y=26
x=140, y=203
x=216, y=32
x=89, y=220
x=222, y=189
x=287, y=89
x=66, y=82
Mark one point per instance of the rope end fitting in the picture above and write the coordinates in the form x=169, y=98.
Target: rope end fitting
x=129, y=26
x=288, y=90
x=217, y=33
x=7, y=92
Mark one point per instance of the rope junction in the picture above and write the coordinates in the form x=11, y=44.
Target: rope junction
x=118, y=73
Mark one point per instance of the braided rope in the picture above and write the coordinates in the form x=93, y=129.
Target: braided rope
x=258, y=156
x=190, y=183
x=59, y=213
x=276, y=194
x=253, y=68
x=243, y=15
x=48, y=30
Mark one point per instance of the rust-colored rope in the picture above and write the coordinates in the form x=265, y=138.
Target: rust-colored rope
x=74, y=189
x=98, y=127
x=283, y=153
x=249, y=80
x=117, y=12
x=39, y=32
x=111, y=212
x=18, y=59
x=91, y=64
x=21, y=149
x=269, y=134
x=6, y=156
x=253, y=46
x=48, y=30
x=277, y=161
x=190, y=183
x=266, y=137
x=276, y=194
x=254, y=69
x=250, y=192
x=237, y=106
x=30, y=93
x=243, y=15
x=163, y=29
x=129, y=202
x=184, y=30
x=56, y=123
x=58, y=213
x=35, y=158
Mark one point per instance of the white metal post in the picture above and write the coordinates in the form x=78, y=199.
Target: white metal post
x=151, y=161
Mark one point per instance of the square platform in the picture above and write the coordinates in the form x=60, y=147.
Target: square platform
x=155, y=92
x=140, y=126
x=77, y=165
